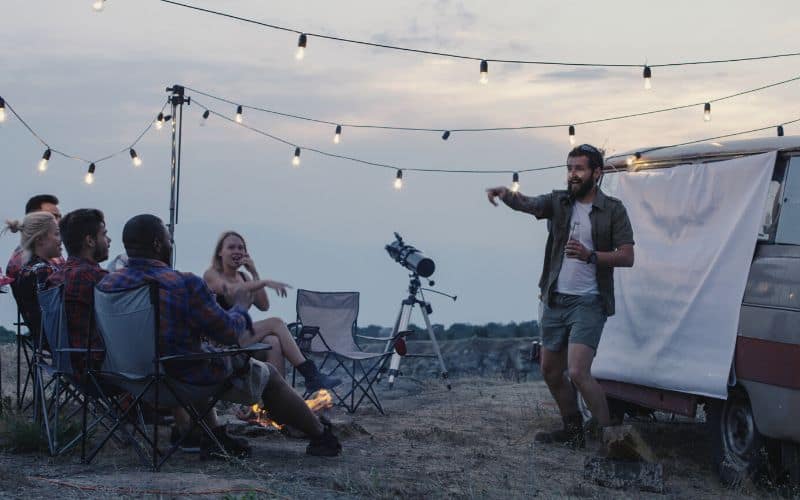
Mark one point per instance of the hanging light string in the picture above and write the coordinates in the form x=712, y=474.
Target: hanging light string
x=475, y=58
x=448, y=131
x=298, y=147
x=126, y=149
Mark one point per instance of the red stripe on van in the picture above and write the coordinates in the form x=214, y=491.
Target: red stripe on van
x=768, y=362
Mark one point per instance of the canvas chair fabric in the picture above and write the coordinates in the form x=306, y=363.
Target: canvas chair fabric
x=335, y=315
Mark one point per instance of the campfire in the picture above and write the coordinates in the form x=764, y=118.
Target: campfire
x=320, y=400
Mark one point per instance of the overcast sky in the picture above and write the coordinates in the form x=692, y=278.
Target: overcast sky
x=89, y=82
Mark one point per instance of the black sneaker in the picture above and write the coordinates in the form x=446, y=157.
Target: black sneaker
x=234, y=446
x=326, y=445
x=192, y=442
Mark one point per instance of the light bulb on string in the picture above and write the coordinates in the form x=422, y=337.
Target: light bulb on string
x=780, y=130
x=137, y=162
x=446, y=135
x=707, y=112
x=44, y=160
x=572, y=135
x=206, y=114
x=98, y=5
x=484, y=72
x=296, y=157
x=632, y=158
x=301, y=47
x=239, y=114
x=2, y=110
x=647, y=74
x=89, y=179
x=159, y=121
x=398, y=180
x=515, y=182
x=337, y=136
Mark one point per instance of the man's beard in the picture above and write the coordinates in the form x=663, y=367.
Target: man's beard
x=100, y=255
x=583, y=188
x=166, y=255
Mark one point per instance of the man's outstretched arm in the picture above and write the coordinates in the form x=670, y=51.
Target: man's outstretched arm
x=538, y=206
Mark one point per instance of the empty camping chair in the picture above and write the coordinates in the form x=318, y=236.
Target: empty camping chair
x=326, y=323
x=128, y=322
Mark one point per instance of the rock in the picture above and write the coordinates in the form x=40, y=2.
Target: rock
x=623, y=442
x=622, y=474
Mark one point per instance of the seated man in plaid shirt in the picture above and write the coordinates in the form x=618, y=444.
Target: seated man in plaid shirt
x=189, y=312
x=85, y=237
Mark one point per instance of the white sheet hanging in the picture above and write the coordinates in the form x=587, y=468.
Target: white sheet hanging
x=677, y=309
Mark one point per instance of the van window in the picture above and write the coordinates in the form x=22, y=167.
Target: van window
x=789, y=198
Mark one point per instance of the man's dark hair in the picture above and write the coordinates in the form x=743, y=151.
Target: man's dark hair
x=594, y=155
x=139, y=233
x=78, y=224
x=36, y=202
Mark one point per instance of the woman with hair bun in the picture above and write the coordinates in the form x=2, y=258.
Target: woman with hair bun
x=40, y=241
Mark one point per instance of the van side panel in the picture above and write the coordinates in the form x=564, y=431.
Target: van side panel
x=768, y=345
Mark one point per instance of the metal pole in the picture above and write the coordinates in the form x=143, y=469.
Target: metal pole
x=177, y=100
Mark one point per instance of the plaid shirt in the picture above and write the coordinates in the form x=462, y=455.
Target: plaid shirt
x=15, y=263
x=79, y=277
x=188, y=313
x=29, y=281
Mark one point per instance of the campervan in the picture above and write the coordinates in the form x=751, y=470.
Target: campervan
x=708, y=319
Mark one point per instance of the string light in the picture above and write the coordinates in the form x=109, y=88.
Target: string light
x=296, y=157
x=159, y=121
x=515, y=182
x=44, y=160
x=484, y=72
x=239, y=114
x=707, y=112
x=572, y=135
x=647, y=74
x=301, y=47
x=398, y=180
x=632, y=158
x=446, y=135
x=99, y=5
x=137, y=162
x=206, y=114
x=2, y=110
x=89, y=179
x=338, y=135
x=780, y=130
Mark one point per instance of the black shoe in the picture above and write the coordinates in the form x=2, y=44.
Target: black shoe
x=234, y=446
x=316, y=380
x=571, y=434
x=192, y=442
x=326, y=445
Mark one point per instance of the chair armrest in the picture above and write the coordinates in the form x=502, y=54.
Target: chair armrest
x=78, y=349
x=217, y=354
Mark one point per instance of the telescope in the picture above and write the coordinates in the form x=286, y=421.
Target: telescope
x=410, y=258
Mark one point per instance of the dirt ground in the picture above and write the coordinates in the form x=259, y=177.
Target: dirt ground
x=475, y=441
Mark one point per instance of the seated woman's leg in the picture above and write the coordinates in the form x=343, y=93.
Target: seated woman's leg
x=277, y=328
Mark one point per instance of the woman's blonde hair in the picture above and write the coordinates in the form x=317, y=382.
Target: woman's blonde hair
x=216, y=260
x=33, y=227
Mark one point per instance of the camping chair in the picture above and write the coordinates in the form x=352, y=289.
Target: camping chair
x=57, y=386
x=25, y=349
x=128, y=322
x=326, y=322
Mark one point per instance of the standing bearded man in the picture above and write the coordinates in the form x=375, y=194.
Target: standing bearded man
x=593, y=231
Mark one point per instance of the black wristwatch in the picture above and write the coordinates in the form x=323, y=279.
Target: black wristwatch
x=592, y=258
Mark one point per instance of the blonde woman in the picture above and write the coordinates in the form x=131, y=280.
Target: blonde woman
x=40, y=242
x=226, y=275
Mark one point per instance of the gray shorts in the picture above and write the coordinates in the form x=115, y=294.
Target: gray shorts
x=572, y=319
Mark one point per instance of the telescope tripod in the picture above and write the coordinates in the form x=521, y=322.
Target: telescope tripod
x=415, y=297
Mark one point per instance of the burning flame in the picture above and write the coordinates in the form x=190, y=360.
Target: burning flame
x=321, y=400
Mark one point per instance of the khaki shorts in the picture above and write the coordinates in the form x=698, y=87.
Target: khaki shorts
x=572, y=319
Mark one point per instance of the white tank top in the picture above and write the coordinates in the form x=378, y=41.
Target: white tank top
x=578, y=277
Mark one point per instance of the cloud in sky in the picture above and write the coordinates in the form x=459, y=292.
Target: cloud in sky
x=90, y=81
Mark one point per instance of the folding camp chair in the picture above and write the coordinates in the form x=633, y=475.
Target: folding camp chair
x=60, y=392
x=128, y=322
x=326, y=323
x=25, y=350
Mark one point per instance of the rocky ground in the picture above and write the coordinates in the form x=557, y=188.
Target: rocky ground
x=474, y=441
